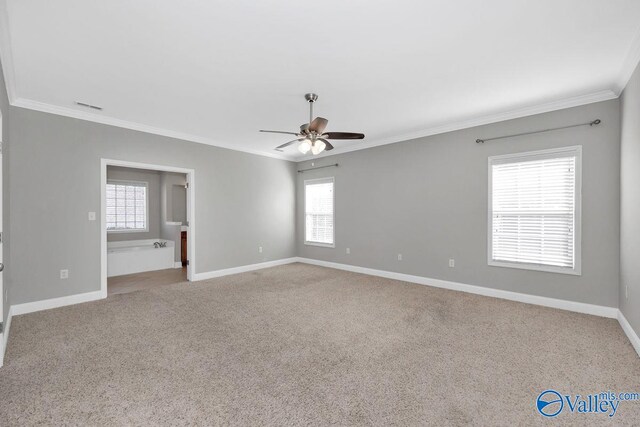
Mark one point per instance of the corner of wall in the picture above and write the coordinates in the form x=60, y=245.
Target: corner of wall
x=629, y=283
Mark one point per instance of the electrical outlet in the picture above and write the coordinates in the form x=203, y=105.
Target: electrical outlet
x=64, y=274
x=348, y=251
x=260, y=249
x=399, y=257
x=92, y=216
x=452, y=262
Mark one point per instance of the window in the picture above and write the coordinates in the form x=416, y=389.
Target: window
x=534, y=210
x=318, y=212
x=127, y=206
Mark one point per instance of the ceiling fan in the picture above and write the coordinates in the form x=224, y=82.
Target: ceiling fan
x=312, y=136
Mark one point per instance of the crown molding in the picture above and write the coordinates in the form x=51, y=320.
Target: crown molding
x=547, y=107
x=98, y=118
x=449, y=127
x=6, y=57
x=630, y=63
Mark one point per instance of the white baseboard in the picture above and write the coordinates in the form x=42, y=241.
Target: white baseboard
x=631, y=334
x=47, y=304
x=579, y=307
x=30, y=307
x=5, y=336
x=597, y=310
x=177, y=264
x=242, y=269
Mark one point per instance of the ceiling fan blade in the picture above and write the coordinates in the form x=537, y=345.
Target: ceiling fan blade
x=328, y=147
x=318, y=124
x=343, y=135
x=279, y=131
x=286, y=144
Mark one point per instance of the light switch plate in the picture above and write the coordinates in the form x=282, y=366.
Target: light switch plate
x=92, y=216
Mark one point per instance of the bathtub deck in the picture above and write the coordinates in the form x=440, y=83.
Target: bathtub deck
x=135, y=282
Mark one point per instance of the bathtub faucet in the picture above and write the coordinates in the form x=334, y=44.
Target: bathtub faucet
x=160, y=244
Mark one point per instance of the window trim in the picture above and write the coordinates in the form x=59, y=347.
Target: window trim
x=577, y=236
x=332, y=180
x=146, y=203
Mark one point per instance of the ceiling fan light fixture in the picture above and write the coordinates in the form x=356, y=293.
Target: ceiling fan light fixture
x=304, y=146
x=318, y=147
x=312, y=135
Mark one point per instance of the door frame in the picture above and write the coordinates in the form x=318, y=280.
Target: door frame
x=191, y=210
x=4, y=298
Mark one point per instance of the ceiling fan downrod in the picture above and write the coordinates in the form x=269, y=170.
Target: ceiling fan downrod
x=311, y=98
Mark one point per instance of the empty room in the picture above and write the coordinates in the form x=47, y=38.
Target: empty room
x=320, y=213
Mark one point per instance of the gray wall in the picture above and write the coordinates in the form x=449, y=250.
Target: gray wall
x=152, y=178
x=427, y=199
x=171, y=231
x=179, y=203
x=630, y=203
x=242, y=201
x=424, y=198
x=170, y=181
x=4, y=107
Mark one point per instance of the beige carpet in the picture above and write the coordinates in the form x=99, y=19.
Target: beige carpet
x=148, y=279
x=305, y=345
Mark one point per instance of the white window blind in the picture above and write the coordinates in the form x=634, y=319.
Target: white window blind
x=534, y=210
x=318, y=196
x=126, y=206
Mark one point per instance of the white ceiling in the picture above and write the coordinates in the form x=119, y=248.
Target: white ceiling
x=217, y=71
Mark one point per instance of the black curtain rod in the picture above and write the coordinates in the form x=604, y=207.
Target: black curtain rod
x=318, y=167
x=591, y=123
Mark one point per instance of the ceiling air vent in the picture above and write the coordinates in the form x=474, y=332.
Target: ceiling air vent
x=84, y=104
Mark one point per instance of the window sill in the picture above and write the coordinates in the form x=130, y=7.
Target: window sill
x=536, y=267
x=127, y=231
x=322, y=245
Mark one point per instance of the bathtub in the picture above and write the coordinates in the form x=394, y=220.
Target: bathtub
x=137, y=256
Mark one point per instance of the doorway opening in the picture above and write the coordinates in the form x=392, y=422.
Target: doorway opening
x=147, y=226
